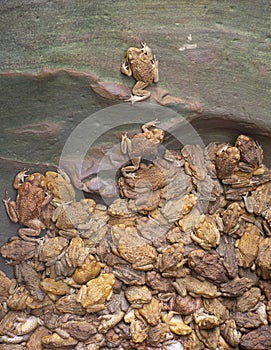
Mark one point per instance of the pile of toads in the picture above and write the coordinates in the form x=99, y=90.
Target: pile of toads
x=181, y=260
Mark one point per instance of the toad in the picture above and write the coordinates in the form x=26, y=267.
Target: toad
x=195, y=287
x=59, y=184
x=133, y=248
x=142, y=144
x=226, y=161
x=31, y=201
x=93, y=295
x=147, y=177
x=263, y=258
x=69, y=216
x=206, y=233
x=195, y=164
x=248, y=246
x=143, y=66
x=138, y=296
x=251, y=153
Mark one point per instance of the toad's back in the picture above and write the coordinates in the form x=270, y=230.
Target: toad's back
x=142, y=69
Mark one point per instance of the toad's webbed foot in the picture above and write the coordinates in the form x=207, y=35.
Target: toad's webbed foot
x=136, y=98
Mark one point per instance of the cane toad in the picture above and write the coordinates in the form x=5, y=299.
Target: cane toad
x=143, y=66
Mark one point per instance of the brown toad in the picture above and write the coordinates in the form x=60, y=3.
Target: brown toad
x=236, y=287
x=249, y=300
x=138, y=296
x=56, y=341
x=51, y=249
x=263, y=259
x=208, y=265
x=260, y=200
x=18, y=250
x=69, y=216
x=69, y=304
x=171, y=259
x=248, y=246
x=76, y=252
x=186, y=305
x=215, y=307
x=34, y=342
x=143, y=66
x=151, y=311
x=230, y=333
x=93, y=295
x=206, y=233
x=25, y=325
x=209, y=337
x=226, y=161
x=205, y=320
x=80, y=328
x=59, y=184
x=195, y=287
x=31, y=200
x=120, y=213
x=88, y=270
x=153, y=176
x=5, y=285
x=139, y=329
x=175, y=209
x=195, y=164
x=176, y=323
x=27, y=276
x=133, y=248
x=17, y=300
x=232, y=218
x=251, y=153
x=159, y=334
x=54, y=287
x=142, y=144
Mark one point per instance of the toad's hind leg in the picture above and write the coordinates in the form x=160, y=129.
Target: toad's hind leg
x=138, y=93
x=155, y=70
x=146, y=126
x=128, y=171
x=11, y=209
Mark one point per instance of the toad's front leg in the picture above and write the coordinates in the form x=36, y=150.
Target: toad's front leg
x=125, y=69
x=19, y=178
